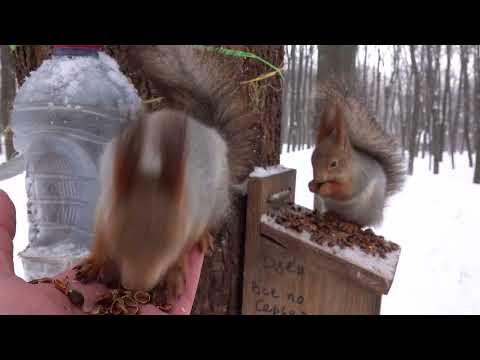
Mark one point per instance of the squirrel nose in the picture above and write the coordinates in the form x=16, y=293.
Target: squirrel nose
x=314, y=186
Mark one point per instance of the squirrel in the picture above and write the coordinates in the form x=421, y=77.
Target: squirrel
x=166, y=181
x=356, y=165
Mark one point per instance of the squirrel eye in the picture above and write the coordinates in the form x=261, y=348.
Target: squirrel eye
x=333, y=164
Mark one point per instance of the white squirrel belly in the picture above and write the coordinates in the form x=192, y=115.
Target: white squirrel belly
x=207, y=176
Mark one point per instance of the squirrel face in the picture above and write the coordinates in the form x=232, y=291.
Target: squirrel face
x=332, y=157
x=148, y=232
x=146, y=229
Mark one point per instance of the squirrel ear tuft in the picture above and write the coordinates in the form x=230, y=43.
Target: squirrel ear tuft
x=127, y=157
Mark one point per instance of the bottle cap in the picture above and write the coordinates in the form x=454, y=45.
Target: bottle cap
x=98, y=47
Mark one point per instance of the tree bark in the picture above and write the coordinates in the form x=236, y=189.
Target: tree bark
x=456, y=119
x=365, y=75
x=377, y=95
x=298, y=105
x=445, y=103
x=305, y=98
x=337, y=62
x=464, y=54
x=7, y=96
x=436, y=112
x=309, y=109
x=220, y=287
x=286, y=94
x=292, y=123
x=476, y=173
x=416, y=110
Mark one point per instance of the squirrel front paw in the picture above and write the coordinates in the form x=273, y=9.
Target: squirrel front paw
x=87, y=271
x=206, y=242
x=335, y=190
x=326, y=189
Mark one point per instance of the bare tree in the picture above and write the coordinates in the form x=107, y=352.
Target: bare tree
x=416, y=110
x=464, y=55
x=308, y=109
x=299, y=99
x=425, y=113
x=337, y=62
x=286, y=90
x=8, y=89
x=446, y=102
x=436, y=111
x=377, y=94
x=476, y=173
x=456, y=120
x=292, y=123
x=365, y=74
x=371, y=98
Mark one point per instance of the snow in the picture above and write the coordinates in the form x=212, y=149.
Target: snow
x=67, y=81
x=434, y=220
x=280, y=195
x=259, y=172
x=382, y=267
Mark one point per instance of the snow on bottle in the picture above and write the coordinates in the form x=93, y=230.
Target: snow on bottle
x=63, y=115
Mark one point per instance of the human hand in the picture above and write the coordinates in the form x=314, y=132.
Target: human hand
x=18, y=297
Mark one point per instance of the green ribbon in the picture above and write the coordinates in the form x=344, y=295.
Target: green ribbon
x=240, y=54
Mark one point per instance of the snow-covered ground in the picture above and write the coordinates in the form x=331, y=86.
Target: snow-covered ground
x=435, y=220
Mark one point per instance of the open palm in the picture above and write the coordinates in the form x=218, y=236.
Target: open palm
x=18, y=297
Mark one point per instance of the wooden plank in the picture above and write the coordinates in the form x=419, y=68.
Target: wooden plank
x=290, y=282
x=330, y=262
x=259, y=191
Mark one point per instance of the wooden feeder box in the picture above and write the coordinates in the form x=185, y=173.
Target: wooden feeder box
x=285, y=274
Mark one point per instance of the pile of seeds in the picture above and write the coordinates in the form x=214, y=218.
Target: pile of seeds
x=124, y=302
x=330, y=230
x=115, y=302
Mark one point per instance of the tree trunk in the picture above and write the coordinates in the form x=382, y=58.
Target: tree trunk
x=466, y=102
x=456, y=119
x=446, y=103
x=338, y=62
x=436, y=112
x=298, y=105
x=286, y=93
x=308, y=110
x=220, y=287
x=476, y=173
x=403, y=125
x=377, y=95
x=305, y=98
x=292, y=125
x=429, y=90
x=408, y=107
x=7, y=96
x=416, y=110
x=365, y=75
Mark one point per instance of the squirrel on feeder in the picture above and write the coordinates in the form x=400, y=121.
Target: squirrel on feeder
x=166, y=181
x=356, y=165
